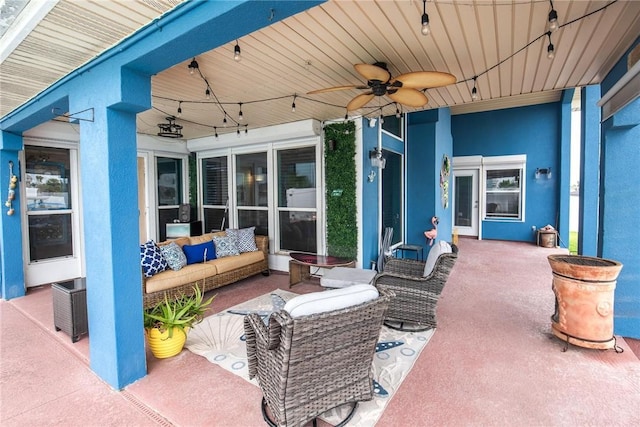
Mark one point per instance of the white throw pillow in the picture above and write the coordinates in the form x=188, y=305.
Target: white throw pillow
x=441, y=247
x=334, y=299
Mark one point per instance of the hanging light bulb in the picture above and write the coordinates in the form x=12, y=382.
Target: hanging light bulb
x=215, y=132
x=551, y=52
x=474, y=91
x=553, y=18
x=236, y=52
x=207, y=94
x=293, y=104
x=425, y=30
x=224, y=120
x=179, y=109
x=193, y=66
x=246, y=129
x=346, y=116
x=238, y=131
x=240, y=116
x=398, y=114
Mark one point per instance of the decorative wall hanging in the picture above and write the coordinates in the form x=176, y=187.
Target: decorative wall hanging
x=13, y=182
x=445, y=171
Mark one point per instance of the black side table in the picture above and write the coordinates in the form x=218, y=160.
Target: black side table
x=412, y=248
x=70, y=307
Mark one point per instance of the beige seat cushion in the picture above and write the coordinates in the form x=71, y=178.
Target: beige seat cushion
x=188, y=274
x=234, y=262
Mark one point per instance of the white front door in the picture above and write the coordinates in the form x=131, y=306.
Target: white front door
x=50, y=212
x=465, y=201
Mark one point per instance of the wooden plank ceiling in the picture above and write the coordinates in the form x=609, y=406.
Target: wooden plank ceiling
x=501, y=42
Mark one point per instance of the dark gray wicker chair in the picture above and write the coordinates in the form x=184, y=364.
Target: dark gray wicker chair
x=310, y=364
x=414, y=306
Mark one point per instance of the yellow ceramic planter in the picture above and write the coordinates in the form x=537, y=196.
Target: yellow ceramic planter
x=162, y=346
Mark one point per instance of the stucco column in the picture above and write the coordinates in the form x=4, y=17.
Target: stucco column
x=108, y=152
x=589, y=171
x=11, y=269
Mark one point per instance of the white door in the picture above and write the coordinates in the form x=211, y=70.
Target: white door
x=465, y=201
x=52, y=243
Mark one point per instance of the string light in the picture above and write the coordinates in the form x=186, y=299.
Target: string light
x=246, y=129
x=425, y=30
x=474, y=91
x=293, y=104
x=240, y=116
x=398, y=113
x=215, y=131
x=207, y=94
x=553, y=18
x=193, y=66
x=179, y=109
x=224, y=120
x=236, y=52
x=551, y=52
x=238, y=130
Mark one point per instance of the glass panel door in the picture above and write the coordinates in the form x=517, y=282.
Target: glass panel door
x=252, y=192
x=392, y=195
x=465, y=202
x=50, y=215
x=215, y=193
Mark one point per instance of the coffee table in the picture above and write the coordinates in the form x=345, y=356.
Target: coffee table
x=300, y=265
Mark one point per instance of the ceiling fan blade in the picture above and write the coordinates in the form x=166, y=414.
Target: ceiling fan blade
x=409, y=97
x=373, y=72
x=333, y=89
x=359, y=101
x=425, y=79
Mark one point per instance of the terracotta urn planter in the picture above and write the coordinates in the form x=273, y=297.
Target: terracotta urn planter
x=584, y=289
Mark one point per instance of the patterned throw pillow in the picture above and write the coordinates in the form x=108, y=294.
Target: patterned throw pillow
x=225, y=246
x=245, y=238
x=174, y=256
x=151, y=259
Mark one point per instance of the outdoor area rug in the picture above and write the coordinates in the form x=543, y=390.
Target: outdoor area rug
x=220, y=339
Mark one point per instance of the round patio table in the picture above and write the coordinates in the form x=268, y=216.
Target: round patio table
x=300, y=265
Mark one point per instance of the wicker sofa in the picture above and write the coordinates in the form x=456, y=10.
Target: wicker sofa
x=211, y=274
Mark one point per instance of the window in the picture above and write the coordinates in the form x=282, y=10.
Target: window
x=297, y=193
x=504, y=187
x=215, y=193
x=251, y=191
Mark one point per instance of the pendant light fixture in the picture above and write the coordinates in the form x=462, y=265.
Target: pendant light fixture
x=425, y=30
x=170, y=129
x=293, y=104
x=240, y=115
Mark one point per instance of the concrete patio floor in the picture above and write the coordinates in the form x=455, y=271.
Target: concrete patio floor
x=491, y=362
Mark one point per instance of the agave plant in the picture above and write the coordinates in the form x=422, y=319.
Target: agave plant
x=183, y=312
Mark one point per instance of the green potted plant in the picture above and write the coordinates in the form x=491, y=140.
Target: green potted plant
x=167, y=323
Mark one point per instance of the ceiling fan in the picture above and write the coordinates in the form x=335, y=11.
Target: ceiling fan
x=403, y=89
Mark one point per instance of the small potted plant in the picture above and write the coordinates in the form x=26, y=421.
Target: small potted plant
x=167, y=323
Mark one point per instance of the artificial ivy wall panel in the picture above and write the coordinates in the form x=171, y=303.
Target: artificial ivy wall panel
x=340, y=181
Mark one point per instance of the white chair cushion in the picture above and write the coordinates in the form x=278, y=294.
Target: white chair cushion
x=341, y=277
x=439, y=248
x=329, y=300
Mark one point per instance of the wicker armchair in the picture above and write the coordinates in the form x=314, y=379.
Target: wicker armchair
x=414, y=306
x=310, y=364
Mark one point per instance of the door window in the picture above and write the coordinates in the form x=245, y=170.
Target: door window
x=48, y=194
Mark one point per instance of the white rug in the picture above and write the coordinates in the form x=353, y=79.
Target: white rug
x=220, y=339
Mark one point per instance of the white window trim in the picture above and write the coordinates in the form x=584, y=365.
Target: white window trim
x=518, y=161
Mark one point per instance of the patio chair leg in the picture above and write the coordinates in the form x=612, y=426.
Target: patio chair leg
x=270, y=422
x=403, y=328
